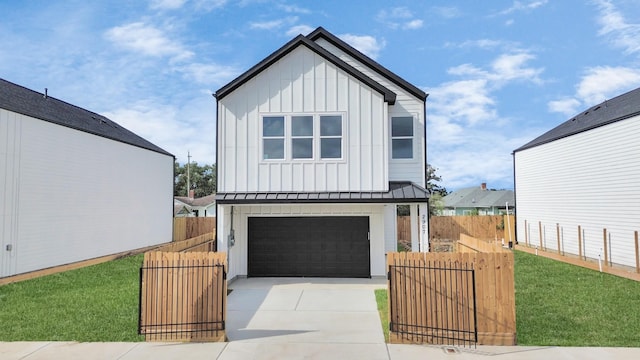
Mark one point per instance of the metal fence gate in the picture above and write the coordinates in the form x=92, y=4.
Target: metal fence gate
x=432, y=302
x=182, y=297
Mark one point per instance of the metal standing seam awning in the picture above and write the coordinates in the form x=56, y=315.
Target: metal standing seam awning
x=399, y=192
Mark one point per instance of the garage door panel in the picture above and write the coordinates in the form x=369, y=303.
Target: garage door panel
x=309, y=246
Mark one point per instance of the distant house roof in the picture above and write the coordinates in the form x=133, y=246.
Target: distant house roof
x=181, y=210
x=202, y=201
x=619, y=108
x=300, y=40
x=337, y=42
x=37, y=105
x=477, y=197
x=399, y=192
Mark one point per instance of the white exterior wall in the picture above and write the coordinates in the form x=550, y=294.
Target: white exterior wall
x=303, y=82
x=238, y=253
x=589, y=179
x=406, y=104
x=69, y=196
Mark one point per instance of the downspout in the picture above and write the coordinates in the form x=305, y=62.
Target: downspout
x=424, y=114
x=217, y=172
x=515, y=200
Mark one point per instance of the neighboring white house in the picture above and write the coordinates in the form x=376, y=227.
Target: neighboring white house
x=195, y=207
x=75, y=185
x=478, y=200
x=585, y=172
x=317, y=144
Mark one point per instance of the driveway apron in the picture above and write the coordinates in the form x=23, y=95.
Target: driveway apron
x=304, y=310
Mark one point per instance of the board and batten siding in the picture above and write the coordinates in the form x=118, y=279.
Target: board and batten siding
x=406, y=105
x=70, y=196
x=303, y=82
x=238, y=254
x=589, y=179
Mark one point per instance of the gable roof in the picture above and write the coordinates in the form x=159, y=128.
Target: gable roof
x=300, y=40
x=399, y=192
x=27, y=102
x=619, y=108
x=202, y=201
x=320, y=32
x=476, y=197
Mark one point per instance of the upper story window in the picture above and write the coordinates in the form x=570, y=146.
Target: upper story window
x=402, y=137
x=302, y=137
x=331, y=137
x=273, y=137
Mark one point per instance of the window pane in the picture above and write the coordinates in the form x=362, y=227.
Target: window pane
x=331, y=125
x=402, y=149
x=402, y=126
x=273, y=126
x=302, y=125
x=273, y=149
x=331, y=148
x=302, y=148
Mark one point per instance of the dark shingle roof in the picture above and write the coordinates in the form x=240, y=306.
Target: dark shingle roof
x=300, y=40
x=619, y=108
x=34, y=104
x=337, y=42
x=476, y=197
x=399, y=192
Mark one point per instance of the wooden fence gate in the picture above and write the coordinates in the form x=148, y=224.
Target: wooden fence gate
x=183, y=296
x=432, y=302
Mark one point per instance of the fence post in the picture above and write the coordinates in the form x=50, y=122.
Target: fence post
x=540, y=233
x=558, y=236
x=579, y=242
x=604, y=240
x=635, y=233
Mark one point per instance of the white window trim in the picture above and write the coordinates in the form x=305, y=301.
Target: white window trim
x=288, y=151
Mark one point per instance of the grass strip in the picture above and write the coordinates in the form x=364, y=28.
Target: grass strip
x=383, y=311
x=96, y=303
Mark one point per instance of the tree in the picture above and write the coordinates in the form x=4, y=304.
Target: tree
x=202, y=179
x=432, y=182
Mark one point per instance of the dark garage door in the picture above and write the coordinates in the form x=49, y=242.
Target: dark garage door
x=309, y=246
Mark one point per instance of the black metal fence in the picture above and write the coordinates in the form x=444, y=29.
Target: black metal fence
x=433, y=303
x=182, y=300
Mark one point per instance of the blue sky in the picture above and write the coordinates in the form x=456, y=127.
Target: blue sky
x=499, y=73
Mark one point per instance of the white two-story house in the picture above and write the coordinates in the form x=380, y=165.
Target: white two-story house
x=317, y=144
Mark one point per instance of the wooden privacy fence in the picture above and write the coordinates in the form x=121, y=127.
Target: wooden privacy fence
x=197, y=242
x=190, y=227
x=429, y=298
x=470, y=244
x=183, y=296
x=479, y=226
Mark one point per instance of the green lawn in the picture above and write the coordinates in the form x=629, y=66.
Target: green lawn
x=558, y=304
x=383, y=311
x=565, y=305
x=96, y=303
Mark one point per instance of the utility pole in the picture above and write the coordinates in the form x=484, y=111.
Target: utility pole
x=188, y=173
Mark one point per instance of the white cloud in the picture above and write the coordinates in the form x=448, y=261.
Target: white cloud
x=603, y=82
x=614, y=26
x=273, y=24
x=210, y=73
x=566, y=106
x=299, y=29
x=508, y=67
x=294, y=9
x=366, y=44
x=166, y=4
x=413, y=24
x=519, y=6
x=399, y=18
x=447, y=12
x=146, y=39
x=481, y=43
x=208, y=5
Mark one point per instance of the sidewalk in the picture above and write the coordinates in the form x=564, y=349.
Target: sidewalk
x=259, y=351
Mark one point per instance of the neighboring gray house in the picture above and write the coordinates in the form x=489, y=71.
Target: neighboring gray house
x=197, y=207
x=317, y=144
x=478, y=200
x=75, y=185
x=584, y=173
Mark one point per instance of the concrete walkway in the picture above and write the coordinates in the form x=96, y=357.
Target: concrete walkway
x=299, y=319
